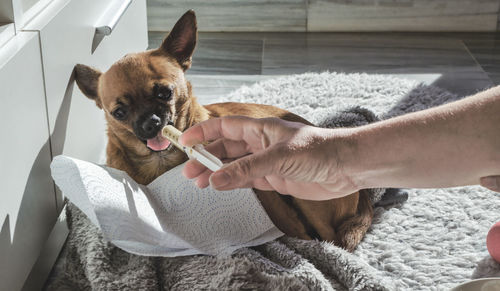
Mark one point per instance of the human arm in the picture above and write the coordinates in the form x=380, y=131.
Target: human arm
x=450, y=145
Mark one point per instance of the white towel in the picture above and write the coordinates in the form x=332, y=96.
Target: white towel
x=169, y=217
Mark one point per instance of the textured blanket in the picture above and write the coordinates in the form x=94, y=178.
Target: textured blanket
x=434, y=241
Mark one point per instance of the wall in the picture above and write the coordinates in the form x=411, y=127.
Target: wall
x=329, y=15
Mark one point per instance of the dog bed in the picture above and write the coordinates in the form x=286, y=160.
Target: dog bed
x=434, y=241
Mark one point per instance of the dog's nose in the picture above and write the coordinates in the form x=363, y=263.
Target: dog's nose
x=151, y=125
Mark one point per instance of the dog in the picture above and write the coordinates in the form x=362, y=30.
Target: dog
x=142, y=92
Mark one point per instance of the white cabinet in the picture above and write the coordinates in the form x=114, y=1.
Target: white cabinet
x=67, y=34
x=76, y=123
x=43, y=114
x=27, y=198
x=7, y=32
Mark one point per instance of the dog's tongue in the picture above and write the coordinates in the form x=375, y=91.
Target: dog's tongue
x=158, y=143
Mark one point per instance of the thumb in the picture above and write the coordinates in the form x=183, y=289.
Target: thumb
x=241, y=173
x=491, y=182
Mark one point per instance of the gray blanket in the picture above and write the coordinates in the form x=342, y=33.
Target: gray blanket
x=89, y=262
x=432, y=242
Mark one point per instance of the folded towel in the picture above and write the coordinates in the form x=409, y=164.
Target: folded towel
x=169, y=217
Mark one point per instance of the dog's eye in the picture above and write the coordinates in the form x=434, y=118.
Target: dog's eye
x=120, y=113
x=162, y=92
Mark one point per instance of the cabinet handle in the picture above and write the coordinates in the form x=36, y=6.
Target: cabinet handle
x=110, y=18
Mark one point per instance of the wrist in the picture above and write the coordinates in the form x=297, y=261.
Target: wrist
x=360, y=158
x=344, y=144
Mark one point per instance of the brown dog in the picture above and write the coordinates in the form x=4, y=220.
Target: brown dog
x=142, y=92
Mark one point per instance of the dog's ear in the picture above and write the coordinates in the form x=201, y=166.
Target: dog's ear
x=181, y=41
x=87, y=79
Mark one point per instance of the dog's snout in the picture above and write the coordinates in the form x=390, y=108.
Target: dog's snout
x=151, y=125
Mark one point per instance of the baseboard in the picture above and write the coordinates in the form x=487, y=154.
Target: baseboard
x=50, y=252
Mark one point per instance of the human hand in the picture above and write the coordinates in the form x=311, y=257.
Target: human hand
x=270, y=154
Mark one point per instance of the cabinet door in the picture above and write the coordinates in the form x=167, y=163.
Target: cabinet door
x=67, y=32
x=27, y=198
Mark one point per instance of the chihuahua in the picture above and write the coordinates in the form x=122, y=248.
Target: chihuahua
x=142, y=92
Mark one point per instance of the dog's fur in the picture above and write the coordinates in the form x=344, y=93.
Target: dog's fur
x=152, y=83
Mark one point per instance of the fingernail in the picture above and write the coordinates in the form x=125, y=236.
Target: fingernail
x=182, y=141
x=219, y=179
x=489, y=182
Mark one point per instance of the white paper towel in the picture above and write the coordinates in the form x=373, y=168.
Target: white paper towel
x=169, y=217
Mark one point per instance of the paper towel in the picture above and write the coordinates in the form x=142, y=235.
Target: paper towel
x=169, y=217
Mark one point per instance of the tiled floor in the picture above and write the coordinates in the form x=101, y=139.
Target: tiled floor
x=485, y=48
x=460, y=63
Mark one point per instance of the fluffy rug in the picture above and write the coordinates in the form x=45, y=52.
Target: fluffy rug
x=434, y=241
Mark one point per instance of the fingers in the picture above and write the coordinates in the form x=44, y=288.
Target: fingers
x=491, y=182
x=230, y=127
x=224, y=149
x=228, y=149
x=242, y=172
x=204, y=131
x=202, y=180
x=193, y=169
x=236, y=137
